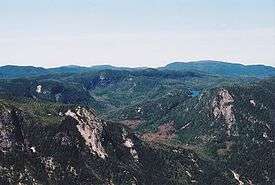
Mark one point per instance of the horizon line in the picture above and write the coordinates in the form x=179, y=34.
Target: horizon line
x=108, y=64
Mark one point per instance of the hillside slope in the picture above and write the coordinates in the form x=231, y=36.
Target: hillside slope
x=78, y=148
x=232, y=125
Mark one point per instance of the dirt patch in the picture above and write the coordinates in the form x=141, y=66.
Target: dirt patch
x=165, y=132
x=133, y=124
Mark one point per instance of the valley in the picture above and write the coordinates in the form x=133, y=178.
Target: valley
x=109, y=125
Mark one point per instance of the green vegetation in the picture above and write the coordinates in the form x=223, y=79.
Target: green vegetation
x=227, y=124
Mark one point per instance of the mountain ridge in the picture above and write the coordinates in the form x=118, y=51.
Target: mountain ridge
x=223, y=68
x=80, y=148
x=206, y=66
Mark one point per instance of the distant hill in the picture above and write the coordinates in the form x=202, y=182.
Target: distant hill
x=81, y=69
x=203, y=67
x=223, y=68
x=68, y=69
x=12, y=71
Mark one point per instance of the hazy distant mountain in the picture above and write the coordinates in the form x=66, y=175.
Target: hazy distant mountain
x=207, y=66
x=68, y=69
x=80, y=69
x=223, y=68
x=11, y=71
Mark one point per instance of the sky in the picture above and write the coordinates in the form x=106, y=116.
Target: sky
x=136, y=33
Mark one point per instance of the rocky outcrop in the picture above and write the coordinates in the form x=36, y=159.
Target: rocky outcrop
x=223, y=108
x=90, y=128
x=83, y=149
x=237, y=177
x=10, y=129
x=129, y=144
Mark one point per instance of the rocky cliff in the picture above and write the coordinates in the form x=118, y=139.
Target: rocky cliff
x=83, y=149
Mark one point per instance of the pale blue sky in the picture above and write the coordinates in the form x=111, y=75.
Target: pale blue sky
x=136, y=32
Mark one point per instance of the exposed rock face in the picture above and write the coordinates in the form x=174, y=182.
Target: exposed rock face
x=252, y=102
x=39, y=89
x=223, y=108
x=83, y=149
x=237, y=177
x=245, y=114
x=13, y=148
x=129, y=144
x=10, y=129
x=6, y=132
x=90, y=127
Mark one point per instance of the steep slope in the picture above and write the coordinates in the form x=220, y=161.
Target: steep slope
x=79, y=148
x=232, y=125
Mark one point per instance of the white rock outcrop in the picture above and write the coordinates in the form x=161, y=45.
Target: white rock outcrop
x=237, y=177
x=223, y=108
x=90, y=129
x=129, y=144
x=252, y=102
x=39, y=89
